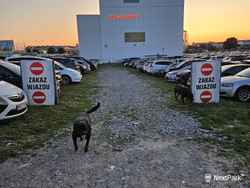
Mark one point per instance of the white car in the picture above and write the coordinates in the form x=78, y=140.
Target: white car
x=13, y=101
x=147, y=67
x=68, y=75
x=159, y=67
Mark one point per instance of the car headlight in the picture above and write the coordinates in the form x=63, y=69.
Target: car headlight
x=227, y=85
x=23, y=94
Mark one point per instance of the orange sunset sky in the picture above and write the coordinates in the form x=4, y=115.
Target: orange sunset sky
x=53, y=22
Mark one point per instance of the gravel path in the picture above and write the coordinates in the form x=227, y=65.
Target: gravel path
x=137, y=142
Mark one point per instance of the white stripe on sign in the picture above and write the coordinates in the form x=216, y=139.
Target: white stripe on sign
x=39, y=97
x=37, y=68
x=206, y=96
x=207, y=69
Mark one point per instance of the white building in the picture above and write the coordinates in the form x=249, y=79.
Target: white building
x=132, y=28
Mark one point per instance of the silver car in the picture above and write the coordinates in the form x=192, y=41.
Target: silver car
x=237, y=86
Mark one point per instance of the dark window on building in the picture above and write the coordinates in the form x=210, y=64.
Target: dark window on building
x=135, y=37
x=131, y=1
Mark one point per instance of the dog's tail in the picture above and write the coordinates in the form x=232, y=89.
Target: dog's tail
x=94, y=108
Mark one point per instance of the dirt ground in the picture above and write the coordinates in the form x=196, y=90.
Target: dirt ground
x=137, y=142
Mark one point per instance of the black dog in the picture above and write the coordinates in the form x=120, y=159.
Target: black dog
x=82, y=127
x=184, y=92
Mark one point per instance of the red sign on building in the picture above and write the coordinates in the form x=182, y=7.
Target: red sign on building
x=131, y=16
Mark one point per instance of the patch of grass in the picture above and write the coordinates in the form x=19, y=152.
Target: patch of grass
x=39, y=124
x=229, y=118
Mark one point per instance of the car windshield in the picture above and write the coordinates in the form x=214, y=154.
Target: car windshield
x=163, y=63
x=181, y=64
x=244, y=73
x=224, y=68
x=58, y=65
x=12, y=67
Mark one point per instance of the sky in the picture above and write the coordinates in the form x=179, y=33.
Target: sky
x=53, y=22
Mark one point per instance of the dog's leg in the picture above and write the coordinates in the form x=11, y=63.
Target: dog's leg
x=74, y=138
x=88, y=136
x=175, y=94
x=182, y=99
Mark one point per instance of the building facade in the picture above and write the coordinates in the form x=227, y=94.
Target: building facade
x=132, y=28
x=7, y=46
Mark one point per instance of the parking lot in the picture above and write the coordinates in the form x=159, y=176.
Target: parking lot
x=36, y=127
x=141, y=137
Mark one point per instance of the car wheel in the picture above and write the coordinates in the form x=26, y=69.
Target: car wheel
x=66, y=80
x=243, y=94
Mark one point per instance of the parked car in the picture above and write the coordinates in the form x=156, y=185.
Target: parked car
x=13, y=101
x=10, y=73
x=185, y=65
x=171, y=67
x=131, y=62
x=67, y=62
x=237, y=86
x=68, y=75
x=93, y=65
x=2, y=57
x=230, y=70
x=125, y=62
x=233, y=59
x=147, y=66
x=139, y=65
x=159, y=67
x=247, y=61
x=84, y=67
x=59, y=82
x=95, y=62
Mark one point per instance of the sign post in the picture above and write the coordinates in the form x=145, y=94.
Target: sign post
x=39, y=81
x=206, y=78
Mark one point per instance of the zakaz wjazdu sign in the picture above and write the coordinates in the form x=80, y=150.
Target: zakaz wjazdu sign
x=206, y=79
x=39, y=81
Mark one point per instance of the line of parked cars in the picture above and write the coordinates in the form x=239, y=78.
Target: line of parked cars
x=235, y=71
x=13, y=100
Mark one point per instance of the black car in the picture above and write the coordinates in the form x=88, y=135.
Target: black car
x=10, y=73
x=2, y=57
x=92, y=65
x=67, y=62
